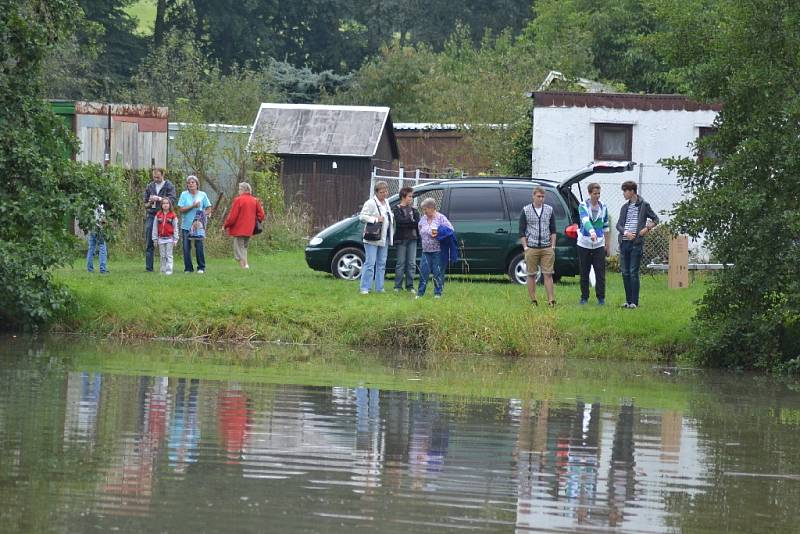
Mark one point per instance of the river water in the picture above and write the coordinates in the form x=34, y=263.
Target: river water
x=165, y=438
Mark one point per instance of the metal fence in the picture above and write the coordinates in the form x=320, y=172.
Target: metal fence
x=397, y=179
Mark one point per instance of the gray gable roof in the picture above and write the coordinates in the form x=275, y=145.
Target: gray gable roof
x=311, y=129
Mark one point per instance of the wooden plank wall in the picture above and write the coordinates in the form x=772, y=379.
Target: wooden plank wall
x=130, y=148
x=332, y=194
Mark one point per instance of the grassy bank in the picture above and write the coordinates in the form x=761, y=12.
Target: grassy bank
x=281, y=299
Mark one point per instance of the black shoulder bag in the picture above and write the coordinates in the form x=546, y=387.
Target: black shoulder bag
x=373, y=231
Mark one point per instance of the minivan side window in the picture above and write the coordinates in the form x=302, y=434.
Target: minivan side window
x=475, y=203
x=519, y=197
x=435, y=194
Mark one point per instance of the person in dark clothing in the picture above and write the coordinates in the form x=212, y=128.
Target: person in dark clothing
x=156, y=190
x=636, y=219
x=406, y=236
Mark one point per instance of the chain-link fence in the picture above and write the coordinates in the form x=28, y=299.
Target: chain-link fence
x=397, y=179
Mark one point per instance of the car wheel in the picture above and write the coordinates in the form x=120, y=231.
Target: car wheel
x=517, y=270
x=348, y=263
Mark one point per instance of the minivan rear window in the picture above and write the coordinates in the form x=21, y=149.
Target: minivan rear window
x=475, y=203
x=519, y=197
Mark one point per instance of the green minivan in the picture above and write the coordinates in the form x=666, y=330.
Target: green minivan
x=485, y=214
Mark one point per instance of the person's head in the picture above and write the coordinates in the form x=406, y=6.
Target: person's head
x=192, y=183
x=158, y=174
x=166, y=204
x=629, y=189
x=428, y=207
x=406, y=196
x=538, y=196
x=244, y=188
x=594, y=191
x=381, y=190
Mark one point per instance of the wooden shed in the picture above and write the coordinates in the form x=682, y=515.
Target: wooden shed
x=327, y=153
x=138, y=133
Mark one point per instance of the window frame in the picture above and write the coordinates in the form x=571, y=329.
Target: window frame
x=705, y=131
x=600, y=128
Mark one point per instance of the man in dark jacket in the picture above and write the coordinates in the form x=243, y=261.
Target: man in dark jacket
x=636, y=219
x=156, y=190
x=405, y=239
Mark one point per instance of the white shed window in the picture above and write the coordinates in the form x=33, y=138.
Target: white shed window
x=613, y=142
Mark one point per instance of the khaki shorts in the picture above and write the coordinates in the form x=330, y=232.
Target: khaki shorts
x=544, y=257
x=240, y=248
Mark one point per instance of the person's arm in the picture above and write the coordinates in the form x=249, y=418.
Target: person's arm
x=170, y=193
x=147, y=194
x=176, y=228
x=230, y=220
x=446, y=222
x=366, y=215
x=184, y=204
x=523, y=228
x=606, y=232
x=154, y=232
x=654, y=220
x=553, y=230
x=260, y=213
x=621, y=221
x=206, y=206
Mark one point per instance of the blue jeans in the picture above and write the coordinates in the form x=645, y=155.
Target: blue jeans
x=406, y=263
x=187, y=253
x=149, y=247
x=431, y=263
x=374, y=267
x=630, y=258
x=96, y=240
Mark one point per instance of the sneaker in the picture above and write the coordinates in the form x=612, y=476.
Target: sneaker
x=583, y=301
x=632, y=306
x=626, y=305
x=397, y=290
x=437, y=296
x=168, y=273
x=552, y=304
x=417, y=297
x=601, y=302
x=363, y=292
x=412, y=290
x=200, y=271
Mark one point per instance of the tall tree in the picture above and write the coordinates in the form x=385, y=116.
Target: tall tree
x=746, y=55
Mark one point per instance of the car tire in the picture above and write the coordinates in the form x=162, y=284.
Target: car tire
x=517, y=271
x=348, y=263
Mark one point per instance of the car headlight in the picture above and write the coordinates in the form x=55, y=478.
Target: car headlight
x=315, y=241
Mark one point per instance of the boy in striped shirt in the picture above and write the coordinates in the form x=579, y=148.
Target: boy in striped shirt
x=636, y=219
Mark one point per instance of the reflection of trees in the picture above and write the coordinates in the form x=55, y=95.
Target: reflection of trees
x=749, y=429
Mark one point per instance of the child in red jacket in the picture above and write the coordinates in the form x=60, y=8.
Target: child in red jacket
x=165, y=233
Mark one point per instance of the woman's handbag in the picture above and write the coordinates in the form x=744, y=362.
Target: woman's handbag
x=374, y=231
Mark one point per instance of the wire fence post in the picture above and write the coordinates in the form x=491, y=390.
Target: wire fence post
x=372, y=180
x=401, y=177
x=416, y=178
x=641, y=172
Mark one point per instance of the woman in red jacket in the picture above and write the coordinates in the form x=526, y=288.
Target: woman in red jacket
x=241, y=221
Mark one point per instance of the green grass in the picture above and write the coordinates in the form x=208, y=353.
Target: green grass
x=144, y=11
x=280, y=298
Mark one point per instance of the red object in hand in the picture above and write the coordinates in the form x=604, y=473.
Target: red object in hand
x=571, y=231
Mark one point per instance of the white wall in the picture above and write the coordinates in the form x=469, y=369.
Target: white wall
x=563, y=142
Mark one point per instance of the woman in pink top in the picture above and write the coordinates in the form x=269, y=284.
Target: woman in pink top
x=431, y=262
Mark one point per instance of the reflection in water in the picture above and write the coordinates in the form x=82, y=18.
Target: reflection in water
x=161, y=453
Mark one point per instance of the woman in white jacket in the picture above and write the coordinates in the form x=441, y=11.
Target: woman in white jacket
x=376, y=210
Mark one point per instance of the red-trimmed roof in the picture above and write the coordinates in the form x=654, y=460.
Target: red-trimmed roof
x=621, y=101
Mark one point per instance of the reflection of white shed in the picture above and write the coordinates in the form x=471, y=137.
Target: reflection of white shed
x=571, y=129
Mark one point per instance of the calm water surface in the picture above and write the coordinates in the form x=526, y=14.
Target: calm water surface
x=157, y=440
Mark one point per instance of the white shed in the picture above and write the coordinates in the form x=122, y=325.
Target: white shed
x=571, y=129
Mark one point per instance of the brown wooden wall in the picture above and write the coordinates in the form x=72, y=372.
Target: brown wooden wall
x=332, y=194
x=438, y=150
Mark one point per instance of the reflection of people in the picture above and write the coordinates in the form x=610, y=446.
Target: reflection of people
x=241, y=221
x=432, y=263
x=593, y=247
x=537, y=232
x=156, y=190
x=234, y=418
x=621, y=477
x=165, y=234
x=376, y=210
x=184, y=432
x=97, y=240
x=636, y=219
x=407, y=219
x=194, y=206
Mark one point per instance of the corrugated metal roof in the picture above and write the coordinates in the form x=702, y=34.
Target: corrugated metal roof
x=426, y=126
x=621, y=101
x=122, y=110
x=310, y=129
